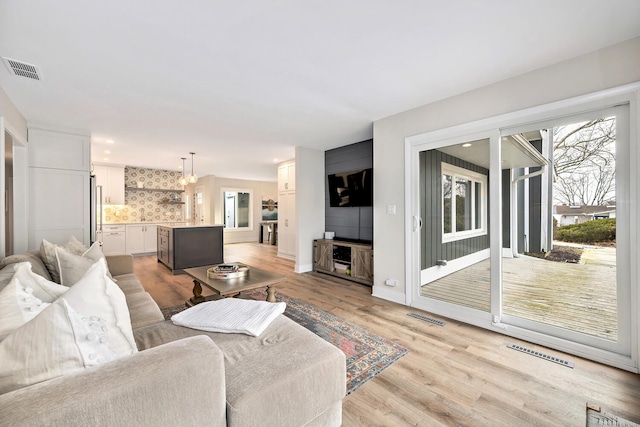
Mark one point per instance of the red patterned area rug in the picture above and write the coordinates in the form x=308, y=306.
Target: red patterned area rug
x=367, y=354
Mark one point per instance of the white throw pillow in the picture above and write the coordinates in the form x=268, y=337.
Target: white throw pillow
x=44, y=289
x=26, y=295
x=96, y=295
x=48, y=255
x=56, y=342
x=6, y=274
x=72, y=266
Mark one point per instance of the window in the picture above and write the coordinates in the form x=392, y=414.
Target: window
x=464, y=203
x=237, y=206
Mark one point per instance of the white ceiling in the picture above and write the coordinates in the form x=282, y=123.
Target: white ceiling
x=242, y=83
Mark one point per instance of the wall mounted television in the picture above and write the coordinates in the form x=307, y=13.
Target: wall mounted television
x=354, y=188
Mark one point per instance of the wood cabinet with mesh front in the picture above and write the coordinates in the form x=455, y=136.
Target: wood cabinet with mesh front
x=351, y=261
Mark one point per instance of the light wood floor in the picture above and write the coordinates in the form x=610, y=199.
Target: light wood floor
x=453, y=375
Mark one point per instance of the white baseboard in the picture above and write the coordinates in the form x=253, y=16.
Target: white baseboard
x=286, y=256
x=380, y=291
x=303, y=268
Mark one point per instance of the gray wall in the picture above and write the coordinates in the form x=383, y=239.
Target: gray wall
x=432, y=248
x=354, y=223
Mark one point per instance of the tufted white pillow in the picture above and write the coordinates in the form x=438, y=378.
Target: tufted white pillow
x=56, y=342
x=26, y=295
x=96, y=295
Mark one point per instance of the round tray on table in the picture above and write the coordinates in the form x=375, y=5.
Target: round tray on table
x=220, y=272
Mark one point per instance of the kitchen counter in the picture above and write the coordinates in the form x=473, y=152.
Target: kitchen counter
x=190, y=245
x=188, y=225
x=146, y=222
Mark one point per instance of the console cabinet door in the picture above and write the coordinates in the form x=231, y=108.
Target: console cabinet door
x=362, y=263
x=323, y=255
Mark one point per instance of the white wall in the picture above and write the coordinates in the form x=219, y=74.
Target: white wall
x=606, y=68
x=213, y=200
x=309, y=204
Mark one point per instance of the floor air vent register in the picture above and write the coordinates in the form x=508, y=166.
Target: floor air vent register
x=542, y=355
x=426, y=319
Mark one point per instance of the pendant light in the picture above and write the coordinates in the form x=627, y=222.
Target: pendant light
x=183, y=179
x=192, y=178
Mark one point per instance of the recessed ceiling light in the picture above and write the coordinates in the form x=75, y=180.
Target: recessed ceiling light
x=466, y=144
x=107, y=152
x=106, y=159
x=109, y=141
x=275, y=160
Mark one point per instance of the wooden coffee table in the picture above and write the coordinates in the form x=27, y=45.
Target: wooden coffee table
x=256, y=278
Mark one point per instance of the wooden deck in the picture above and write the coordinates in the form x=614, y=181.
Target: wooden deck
x=579, y=297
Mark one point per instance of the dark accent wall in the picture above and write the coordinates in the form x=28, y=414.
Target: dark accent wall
x=432, y=248
x=351, y=223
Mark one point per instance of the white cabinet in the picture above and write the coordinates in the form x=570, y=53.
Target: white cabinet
x=142, y=238
x=287, y=229
x=59, y=150
x=58, y=187
x=111, y=178
x=58, y=205
x=287, y=176
x=114, y=239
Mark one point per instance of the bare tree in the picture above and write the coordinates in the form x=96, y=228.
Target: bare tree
x=584, y=162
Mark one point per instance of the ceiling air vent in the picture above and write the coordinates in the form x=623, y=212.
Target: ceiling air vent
x=22, y=69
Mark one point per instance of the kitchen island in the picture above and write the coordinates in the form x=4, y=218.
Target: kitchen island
x=186, y=246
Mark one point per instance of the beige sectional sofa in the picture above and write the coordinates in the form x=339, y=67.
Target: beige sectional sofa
x=286, y=377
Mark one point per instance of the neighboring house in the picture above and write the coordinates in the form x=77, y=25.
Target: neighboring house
x=567, y=215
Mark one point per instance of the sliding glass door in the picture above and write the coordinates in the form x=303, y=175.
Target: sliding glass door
x=568, y=242
x=455, y=270
x=525, y=229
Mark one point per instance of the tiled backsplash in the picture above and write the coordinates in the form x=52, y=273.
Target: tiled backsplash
x=145, y=200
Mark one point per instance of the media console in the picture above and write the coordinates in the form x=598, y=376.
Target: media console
x=348, y=260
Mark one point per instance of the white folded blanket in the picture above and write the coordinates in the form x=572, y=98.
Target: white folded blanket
x=230, y=315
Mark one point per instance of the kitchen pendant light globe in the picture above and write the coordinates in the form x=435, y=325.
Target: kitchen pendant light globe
x=193, y=178
x=183, y=180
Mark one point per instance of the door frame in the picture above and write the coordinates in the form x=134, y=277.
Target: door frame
x=20, y=192
x=628, y=94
